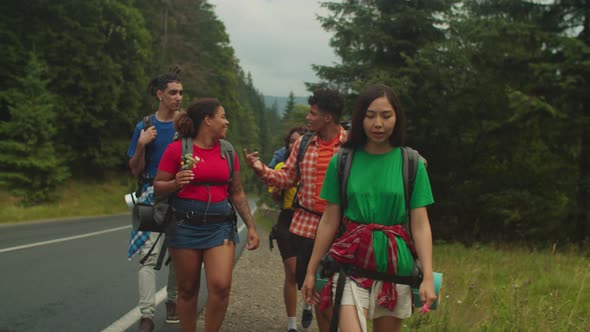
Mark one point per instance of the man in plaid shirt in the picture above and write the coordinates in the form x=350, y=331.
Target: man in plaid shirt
x=323, y=120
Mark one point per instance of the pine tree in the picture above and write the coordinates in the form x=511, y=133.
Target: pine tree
x=290, y=105
x=374, y=37
x=28, y=161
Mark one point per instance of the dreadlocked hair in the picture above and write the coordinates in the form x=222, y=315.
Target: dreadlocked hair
x=160, y=82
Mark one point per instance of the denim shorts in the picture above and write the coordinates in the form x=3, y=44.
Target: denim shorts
x=189, y=236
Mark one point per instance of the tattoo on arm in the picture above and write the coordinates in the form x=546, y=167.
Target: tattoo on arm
x=235, y=186
x=236, y=192
x=244, y=211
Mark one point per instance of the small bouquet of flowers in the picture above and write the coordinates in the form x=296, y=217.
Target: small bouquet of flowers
x=189, y=162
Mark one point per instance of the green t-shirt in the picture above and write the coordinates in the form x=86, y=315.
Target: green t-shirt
x=373, y=199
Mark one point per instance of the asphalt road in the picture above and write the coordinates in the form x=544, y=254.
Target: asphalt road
x=73, y=275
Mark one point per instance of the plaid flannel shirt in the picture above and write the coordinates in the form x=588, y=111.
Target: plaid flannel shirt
x=355, y=247
x=139, y=238
x=304, y=223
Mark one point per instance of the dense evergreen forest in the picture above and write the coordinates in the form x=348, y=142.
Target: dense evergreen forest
x=73, y=76
x=497, y=94
x=496, y=91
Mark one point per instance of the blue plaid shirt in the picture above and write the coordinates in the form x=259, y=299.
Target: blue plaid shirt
x=138, y=238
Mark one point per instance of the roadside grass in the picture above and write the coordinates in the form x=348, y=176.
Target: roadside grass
x=509, y=288
x=77, y=198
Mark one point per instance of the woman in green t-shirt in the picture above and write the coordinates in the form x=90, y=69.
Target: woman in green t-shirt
x=374, y=216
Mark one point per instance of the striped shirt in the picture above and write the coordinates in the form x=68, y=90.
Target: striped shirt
x=325, y=153
x=304, y=223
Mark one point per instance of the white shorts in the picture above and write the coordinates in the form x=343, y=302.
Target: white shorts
x=367, y=299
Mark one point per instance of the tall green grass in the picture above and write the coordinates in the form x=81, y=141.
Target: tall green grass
x=487, y=288
x=77, y=198
x=509, y=289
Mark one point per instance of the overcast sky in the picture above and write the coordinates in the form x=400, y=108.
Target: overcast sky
x=277, y=41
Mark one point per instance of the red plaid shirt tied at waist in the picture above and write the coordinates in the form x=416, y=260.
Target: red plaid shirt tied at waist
x=355, y=247
x=304, y=223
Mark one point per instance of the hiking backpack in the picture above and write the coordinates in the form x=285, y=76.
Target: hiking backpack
x=142, y=179
x=303, y=146
x=410, y=158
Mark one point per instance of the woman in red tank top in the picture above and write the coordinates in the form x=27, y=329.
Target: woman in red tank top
x=204, y=233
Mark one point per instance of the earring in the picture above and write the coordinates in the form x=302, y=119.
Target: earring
x=160, y=98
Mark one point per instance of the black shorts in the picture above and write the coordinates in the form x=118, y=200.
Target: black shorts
x=304, y=250
x=285, y=239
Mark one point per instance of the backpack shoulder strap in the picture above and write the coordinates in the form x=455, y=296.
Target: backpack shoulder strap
x=303, y=145
x=187, y=146
x=343, y=162
x=410, y=159
x=305, y=141
x=147, y=121
x=227, y=153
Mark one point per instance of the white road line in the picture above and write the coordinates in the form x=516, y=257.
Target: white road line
x=63, y=239
x=134, y=315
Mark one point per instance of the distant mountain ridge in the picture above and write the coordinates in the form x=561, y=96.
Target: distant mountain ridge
x=282, y=102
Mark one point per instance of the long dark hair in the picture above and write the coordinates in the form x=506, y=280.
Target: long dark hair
x=357, y=136
x=187, y=122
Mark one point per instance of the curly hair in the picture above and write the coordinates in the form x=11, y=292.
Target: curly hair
x=357, y=136
x=187, y=122
x=328, y=101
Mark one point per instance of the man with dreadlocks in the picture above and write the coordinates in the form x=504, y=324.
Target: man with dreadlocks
x=150, y=138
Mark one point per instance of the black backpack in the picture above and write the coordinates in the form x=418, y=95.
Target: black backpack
x=303, y=146
x=142, y=179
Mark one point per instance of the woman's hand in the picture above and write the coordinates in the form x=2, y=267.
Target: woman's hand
x=427, y=294
x=253, y=239
x=308, y=290
x=253, y=160
x=184, y=177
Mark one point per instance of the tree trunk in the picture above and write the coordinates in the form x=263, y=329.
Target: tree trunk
x=581, y=219
x=583, y=195
x=165, y=41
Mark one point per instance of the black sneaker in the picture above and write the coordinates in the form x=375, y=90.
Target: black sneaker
x=146, y=324
x=291, y=330
x=306, y=318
